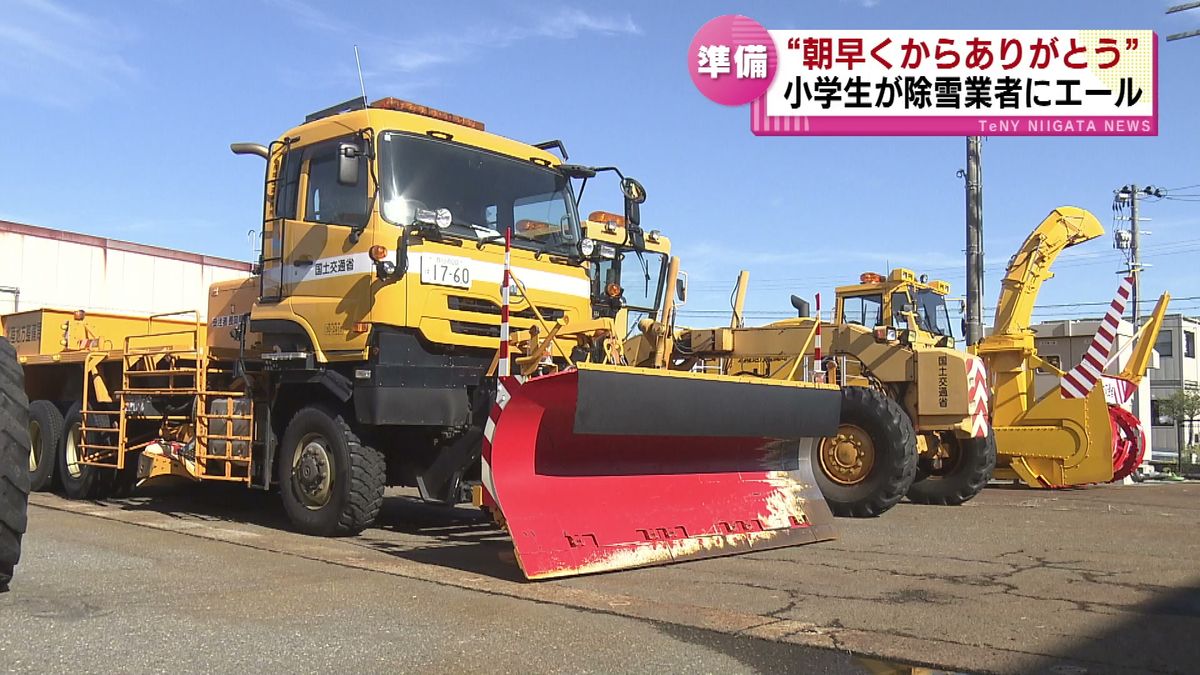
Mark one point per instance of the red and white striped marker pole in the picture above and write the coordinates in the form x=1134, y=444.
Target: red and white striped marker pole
x=817, y=368
x=506, y=384
x=1077, y=382
x=505, y=366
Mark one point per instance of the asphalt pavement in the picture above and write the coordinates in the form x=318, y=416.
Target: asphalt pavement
x=1094, y=580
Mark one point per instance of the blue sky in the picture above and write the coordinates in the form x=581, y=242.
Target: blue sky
x=118, y=116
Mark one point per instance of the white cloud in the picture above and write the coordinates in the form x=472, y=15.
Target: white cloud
x=57, y=56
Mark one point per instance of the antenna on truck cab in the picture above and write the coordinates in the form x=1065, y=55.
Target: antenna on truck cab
x=361, y=84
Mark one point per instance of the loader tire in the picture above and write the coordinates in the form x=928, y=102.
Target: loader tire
x=14, y=461
x=45, y=435
x=81, y=481
x=870, y=465
x=331, y=483
x=962, y=476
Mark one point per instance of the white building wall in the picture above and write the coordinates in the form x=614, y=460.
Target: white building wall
x=1179, y=370
x=65, y=270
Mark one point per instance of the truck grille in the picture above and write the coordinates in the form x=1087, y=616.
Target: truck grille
x=479, y=329
x=480, y=306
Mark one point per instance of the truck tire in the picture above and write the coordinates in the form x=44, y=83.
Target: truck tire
x=45, y=435
x=961, y=477
x=14, y=461
x=331, y=483
x=81, y=481
x=868, y=467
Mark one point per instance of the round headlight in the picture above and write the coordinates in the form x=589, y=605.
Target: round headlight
x=443, y=218
x=587, y=247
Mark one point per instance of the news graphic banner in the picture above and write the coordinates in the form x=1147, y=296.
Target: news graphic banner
x=931, y=82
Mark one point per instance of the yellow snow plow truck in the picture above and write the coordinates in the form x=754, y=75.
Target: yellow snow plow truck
x=422, y=314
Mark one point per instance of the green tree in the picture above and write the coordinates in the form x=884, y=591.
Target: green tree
x=1182, y=406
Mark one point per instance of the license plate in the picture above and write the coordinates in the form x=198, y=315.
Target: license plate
x=445, y=270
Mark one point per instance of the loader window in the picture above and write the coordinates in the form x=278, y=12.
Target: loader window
x=327, y=200
x=640, y=279
x=863, y=310
x=485, y=192
x=932, y=313
x=900, y=307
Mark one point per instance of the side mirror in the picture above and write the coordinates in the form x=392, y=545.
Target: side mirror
x=633, y=215
x=635, y=194
x=633, y=190
x=348, y=154
x=681, y=284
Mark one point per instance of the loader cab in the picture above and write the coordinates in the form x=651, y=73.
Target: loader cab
x=900, y=307
x=625, y=281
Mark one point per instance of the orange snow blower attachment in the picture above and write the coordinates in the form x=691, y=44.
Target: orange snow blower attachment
x=609, y=467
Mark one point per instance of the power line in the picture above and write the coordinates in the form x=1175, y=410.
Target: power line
x=1180, y=8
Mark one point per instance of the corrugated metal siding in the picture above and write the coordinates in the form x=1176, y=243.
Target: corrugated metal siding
x=60, y=269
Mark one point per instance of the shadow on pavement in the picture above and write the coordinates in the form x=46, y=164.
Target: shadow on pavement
x=459, y=538
x=1158, y=635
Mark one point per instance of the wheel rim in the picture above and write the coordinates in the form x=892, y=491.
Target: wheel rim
x=35, y=444
x=71, y=451
x=848, y=458
x=312, y=472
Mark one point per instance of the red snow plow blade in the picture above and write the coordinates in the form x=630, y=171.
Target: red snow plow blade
x=605, y=468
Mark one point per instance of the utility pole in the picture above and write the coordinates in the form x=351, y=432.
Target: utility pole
x=1135, y=260
x=974, y=180
x=1129, y=241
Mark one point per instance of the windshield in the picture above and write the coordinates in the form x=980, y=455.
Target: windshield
x=932, y=313
x=640, y=278
x=863, y=310
x=484, y=192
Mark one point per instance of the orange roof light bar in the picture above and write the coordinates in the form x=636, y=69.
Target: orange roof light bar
x=870, y=278
x=390, y=103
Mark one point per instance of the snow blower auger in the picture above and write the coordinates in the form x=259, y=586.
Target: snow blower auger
x=605, y=467
x=1078, y=433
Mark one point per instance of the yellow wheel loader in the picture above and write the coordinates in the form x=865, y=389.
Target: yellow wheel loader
x=423, y=314
x=913, y=413
x=1075, y=433
x=888, y=335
